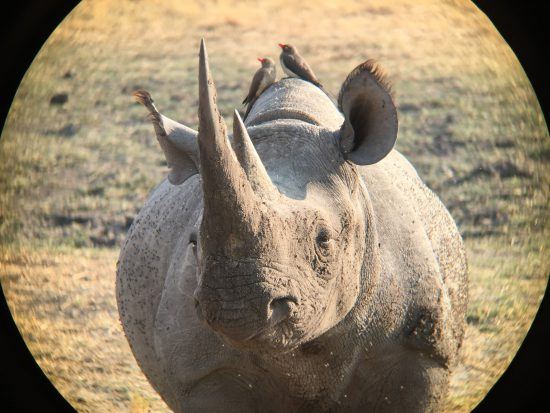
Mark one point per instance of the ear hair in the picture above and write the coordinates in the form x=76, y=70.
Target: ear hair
x=376, y=71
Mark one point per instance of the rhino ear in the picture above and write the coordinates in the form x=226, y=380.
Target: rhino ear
x=178, y=142
x=369, y=130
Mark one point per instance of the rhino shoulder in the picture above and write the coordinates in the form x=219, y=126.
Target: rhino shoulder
x=142, y=267
x=413, y=220
x=448, y=248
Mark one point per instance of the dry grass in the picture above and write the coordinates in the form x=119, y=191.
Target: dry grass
x=73, y=176
x=72, y=328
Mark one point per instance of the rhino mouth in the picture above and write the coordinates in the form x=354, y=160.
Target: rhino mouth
x=247, y=321
x=251, y=303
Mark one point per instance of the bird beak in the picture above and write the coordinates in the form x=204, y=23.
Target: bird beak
x=260, y=60
x=281, y=45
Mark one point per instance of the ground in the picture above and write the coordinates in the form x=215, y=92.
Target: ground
x=79, y=158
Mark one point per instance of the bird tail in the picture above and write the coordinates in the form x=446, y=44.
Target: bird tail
x=326, y=92
x=249, y=107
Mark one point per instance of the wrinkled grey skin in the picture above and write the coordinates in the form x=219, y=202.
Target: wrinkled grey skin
x=302, y=282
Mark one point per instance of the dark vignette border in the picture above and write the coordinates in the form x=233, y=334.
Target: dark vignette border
x=524, y=387
x=25, y=27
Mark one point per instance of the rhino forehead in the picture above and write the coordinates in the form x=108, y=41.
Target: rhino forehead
x=298, y=156
x=295, y=99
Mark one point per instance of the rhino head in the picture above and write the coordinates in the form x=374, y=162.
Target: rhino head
x=286, y=244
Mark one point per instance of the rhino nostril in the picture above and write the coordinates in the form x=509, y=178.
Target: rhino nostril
x=197, y=304
x=280, y=309
x=198, y=309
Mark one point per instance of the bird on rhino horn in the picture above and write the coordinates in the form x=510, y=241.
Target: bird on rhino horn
x=306, y=267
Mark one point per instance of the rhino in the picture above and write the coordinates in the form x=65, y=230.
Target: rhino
x=299, y=265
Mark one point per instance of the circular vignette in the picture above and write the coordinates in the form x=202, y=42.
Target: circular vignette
x=62, y=129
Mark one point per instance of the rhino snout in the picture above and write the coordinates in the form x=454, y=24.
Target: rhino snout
x=242, y=318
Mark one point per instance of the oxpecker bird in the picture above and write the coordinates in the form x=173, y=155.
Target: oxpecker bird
x=294, y=65
x=263, y=78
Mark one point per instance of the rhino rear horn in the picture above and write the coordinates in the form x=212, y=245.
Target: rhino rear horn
x=177, y=141
x=250, y=160
x=369, y=130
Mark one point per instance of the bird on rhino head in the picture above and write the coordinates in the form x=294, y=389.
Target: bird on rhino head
x=263, y=78
x=294, y=65
x=306, y=267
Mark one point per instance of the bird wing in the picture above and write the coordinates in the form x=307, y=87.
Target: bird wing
x=254, y=86
x=299, y=66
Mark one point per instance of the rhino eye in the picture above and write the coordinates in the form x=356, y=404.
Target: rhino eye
x=323, y=238
x=323, y=244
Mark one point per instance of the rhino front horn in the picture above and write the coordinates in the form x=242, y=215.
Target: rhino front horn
x=229, y=198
